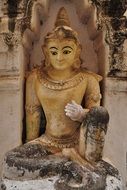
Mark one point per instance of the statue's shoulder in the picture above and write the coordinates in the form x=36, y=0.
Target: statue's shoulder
x=33, y=74
x=91, y=75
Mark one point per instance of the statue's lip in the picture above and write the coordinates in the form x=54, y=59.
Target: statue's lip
x=62, y=61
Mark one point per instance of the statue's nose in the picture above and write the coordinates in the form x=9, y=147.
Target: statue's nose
x=59, y=56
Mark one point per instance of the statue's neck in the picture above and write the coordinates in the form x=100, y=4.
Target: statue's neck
x=61, y=74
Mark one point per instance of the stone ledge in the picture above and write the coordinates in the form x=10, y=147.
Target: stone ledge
x=116, y=84
x=9, y=83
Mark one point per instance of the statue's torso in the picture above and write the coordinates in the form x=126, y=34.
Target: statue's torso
x=54, y=97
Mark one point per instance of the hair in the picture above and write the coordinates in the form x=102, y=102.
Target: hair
x=62, y=32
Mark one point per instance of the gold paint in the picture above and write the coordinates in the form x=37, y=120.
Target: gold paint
x=56, y=84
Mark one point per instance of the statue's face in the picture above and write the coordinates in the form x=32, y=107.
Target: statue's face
x=61, y=53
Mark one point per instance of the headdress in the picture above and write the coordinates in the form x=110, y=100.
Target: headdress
x=62, y=28
x=61, y=31
x=62, y=18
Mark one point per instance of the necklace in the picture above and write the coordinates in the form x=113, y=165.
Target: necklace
x=61, y=84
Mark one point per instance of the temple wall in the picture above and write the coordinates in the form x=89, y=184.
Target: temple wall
x=11, y=98
x=11, y=89
x=116, y=140
x=17, y=59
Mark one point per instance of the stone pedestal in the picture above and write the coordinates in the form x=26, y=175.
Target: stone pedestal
x=31, y=167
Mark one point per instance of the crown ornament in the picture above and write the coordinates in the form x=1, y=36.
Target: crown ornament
x=62, y=18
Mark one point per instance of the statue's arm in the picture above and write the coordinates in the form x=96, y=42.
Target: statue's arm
x=33, y=109
x=92, y=98
x=92, y=95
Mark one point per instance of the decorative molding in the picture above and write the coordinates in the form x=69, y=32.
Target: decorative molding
x=23, y=23
x=12, y=40
x=110, y=15
x=19, y=13
x=12, y=8
x=114, y=85
x=10, y=84
x=26, y=20
x=116, y=34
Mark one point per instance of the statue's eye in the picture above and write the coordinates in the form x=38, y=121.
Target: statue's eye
x=53, y=52
x=66, y=51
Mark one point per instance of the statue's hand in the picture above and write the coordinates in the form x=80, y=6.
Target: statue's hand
x=75, y=111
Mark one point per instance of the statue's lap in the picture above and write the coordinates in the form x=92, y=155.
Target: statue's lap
x=34, y=161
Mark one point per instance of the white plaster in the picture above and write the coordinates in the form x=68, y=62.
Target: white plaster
x=45, y=184
x=113, y=183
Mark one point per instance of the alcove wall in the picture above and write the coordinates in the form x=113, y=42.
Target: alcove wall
x=84, y=23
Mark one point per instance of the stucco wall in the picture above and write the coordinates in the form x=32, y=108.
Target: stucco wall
x=116, y=140
x=11, y=98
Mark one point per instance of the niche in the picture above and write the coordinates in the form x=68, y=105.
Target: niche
x=83, y=18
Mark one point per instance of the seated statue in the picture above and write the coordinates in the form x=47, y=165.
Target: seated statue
x=66, y=92
x=73, y=140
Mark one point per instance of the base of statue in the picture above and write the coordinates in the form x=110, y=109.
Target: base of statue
x=31, y=167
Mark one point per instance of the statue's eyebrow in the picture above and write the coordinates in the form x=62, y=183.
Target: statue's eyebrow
x=67, y=47
x=53, y=48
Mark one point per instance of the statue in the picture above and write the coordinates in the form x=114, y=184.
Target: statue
x=65, y=91
x=76, y=124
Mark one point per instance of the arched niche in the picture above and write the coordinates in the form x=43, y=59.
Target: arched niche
x=83, y=19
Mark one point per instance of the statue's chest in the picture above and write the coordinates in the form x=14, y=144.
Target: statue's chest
x=58, y=95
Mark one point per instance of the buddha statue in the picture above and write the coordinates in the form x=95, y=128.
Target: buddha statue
x=66, y=92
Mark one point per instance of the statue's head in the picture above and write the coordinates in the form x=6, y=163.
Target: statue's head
x=61, y=46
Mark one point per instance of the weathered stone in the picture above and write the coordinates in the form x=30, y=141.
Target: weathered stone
x=111, y=15
x=96, y=116
x=34, y=162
